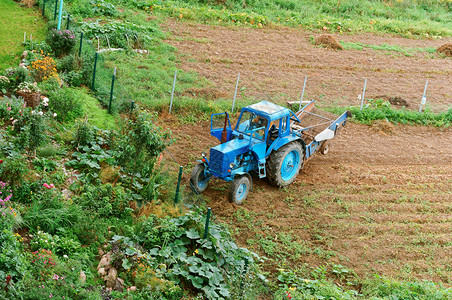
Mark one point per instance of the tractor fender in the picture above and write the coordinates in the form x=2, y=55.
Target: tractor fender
x=284, y=141
x=247, y=175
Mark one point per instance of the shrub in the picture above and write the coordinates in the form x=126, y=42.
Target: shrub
x=65, y=105
x=33, y=133
x=13, y=169
x=61, y=41
x=11, y=107
x=38, y=46
x=84, y=134
x=143, y=141
x=43, y=68
x=102, y=7
x=106, y=200
x=16, y=76
x=4, y=84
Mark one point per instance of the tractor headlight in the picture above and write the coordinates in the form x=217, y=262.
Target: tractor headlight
x=231, y=165
x=203, y=154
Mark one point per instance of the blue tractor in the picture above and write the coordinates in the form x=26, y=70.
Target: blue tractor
x=269, y=140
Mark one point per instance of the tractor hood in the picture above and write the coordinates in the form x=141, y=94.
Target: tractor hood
x=222, y=155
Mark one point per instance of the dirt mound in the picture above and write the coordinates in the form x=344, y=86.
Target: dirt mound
x=207, y=93
x=382, y=127
x=445, y=49
x=399, y=101
x=328, y=41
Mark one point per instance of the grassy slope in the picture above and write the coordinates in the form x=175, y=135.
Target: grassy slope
x=407, y=18
x=25, y=20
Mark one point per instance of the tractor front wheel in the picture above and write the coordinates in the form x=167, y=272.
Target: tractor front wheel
x=284, y=164
x=239, y=189
x=199, y=179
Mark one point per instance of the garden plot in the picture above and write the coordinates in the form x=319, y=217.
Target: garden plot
x=379, y=202
x=274, y=62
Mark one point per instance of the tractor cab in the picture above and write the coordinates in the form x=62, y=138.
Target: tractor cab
x=259, y=122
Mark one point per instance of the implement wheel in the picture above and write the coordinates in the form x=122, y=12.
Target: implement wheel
x=239, y=189
x=199, y=179
x=324, y=148
x=284, y=165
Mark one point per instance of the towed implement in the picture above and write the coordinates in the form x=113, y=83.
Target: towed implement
x=269, y=140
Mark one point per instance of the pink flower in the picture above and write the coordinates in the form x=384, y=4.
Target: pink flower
x=9, y=108
x=51, y=185
x=47, y=186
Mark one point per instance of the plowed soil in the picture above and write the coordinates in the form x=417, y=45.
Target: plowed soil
x=380, y=201
x=274, y=62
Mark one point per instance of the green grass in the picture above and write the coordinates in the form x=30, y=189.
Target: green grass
x=387, y=48
x=93, y=111
x=25, y=20
x=370, y=114
x=406, y=18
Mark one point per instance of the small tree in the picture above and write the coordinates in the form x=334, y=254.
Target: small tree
x=140, y=144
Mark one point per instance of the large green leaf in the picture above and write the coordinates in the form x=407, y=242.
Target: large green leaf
x=192, y=234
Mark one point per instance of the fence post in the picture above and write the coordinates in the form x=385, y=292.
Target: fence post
x=111, y=91
x=302, y=93
x=364, y=92
x=423, y=100
x=81, y=42
x=44, y=8
x=68, y=20
x=176, y=197
x=59, y=15
x=206, y=228
x=172, y=92
x=55, y=13
x=235, y=93
x=94, y=72
x=25, y=36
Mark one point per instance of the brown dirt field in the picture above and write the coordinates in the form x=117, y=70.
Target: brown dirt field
x=273, y=63
x=377, y=203
x=380, y=201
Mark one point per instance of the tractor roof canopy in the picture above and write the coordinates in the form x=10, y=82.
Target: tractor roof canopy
x=268, y=110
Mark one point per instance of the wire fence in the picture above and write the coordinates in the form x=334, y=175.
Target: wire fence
x=104, y=81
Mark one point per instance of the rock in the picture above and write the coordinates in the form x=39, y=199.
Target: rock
x=111, y=277
x=101, y=252
x=102, y=272
x=132, y=288
x=82, y=277
x=25, y=54
x=104, y=261
x=119, y=285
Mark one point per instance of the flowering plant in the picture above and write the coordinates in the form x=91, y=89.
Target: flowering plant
x=4, y=84
x=43, y=68
x=61, y=41
x=28, y=87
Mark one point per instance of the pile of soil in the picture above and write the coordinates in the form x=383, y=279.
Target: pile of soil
x=383, y=127
x=445, y=49
x=207, y=93
x=399, y=101
x=328, y=41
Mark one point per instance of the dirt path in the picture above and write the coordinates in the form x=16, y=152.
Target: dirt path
x=274, y=62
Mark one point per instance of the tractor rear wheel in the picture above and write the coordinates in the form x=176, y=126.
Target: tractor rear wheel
x=284, y=164
x=198, y=179
x=239, y=189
